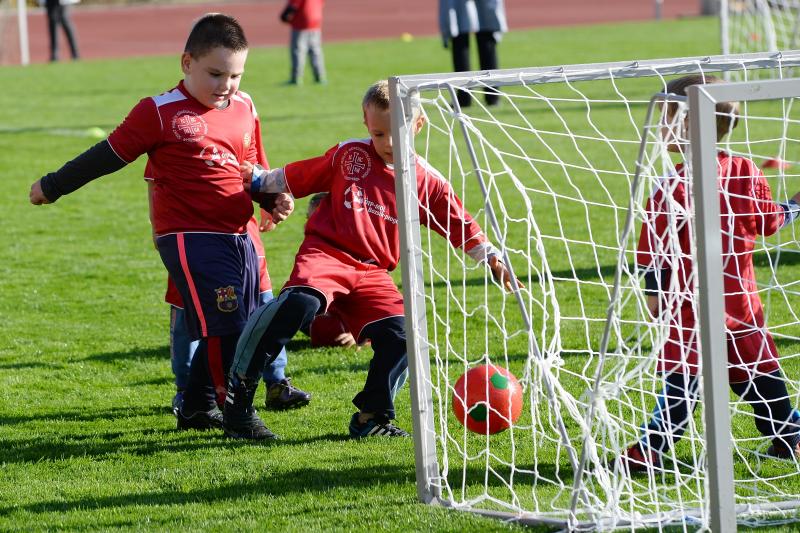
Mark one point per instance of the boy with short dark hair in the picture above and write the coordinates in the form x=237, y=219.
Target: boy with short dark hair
x=351, y=243
x=747, y=212
x=195, y=135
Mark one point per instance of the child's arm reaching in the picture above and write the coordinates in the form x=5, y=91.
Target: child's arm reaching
x=97, y=161
x=791, y=210
x=485, y=252
x=279, y=204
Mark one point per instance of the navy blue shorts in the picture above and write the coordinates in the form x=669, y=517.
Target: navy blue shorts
x=217, y=276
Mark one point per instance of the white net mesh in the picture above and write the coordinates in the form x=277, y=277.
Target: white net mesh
x=558, y=158
x=760, y=26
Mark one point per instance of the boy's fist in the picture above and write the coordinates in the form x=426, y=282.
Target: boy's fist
x=36, y=196
x=246, y=170
x=284, y=205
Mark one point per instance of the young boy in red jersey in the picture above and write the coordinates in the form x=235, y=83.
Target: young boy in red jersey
x=351, y=243
x=305, y=18
x=195, y=135
x=747, y=212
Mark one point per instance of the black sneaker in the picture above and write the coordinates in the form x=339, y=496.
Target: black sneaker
x=241, y=420
x=284, y=395
x=374, y=427
x=780, y=450
x=201, y=420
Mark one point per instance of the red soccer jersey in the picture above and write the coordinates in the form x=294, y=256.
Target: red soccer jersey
x=359, y=216
x=747, y=211
x=193, y=159
x=308, y=15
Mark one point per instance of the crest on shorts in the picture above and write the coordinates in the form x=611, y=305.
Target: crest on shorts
x=188, y=126
x=226, y=299
x=356, y=163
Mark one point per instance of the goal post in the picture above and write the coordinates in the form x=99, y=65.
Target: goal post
x=558, y=176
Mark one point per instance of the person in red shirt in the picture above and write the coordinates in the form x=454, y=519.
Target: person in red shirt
x=665, y=254
x=351, y=243
x=196, y=135
x=305, y=18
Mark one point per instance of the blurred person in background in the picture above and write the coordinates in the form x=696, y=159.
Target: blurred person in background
x=487, y=20
x=58, y=15
x=305, y=18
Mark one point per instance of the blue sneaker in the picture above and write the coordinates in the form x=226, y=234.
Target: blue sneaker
x=373, y=428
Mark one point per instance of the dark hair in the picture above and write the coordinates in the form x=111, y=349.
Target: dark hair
x=727, y=112
x=215, y=30
x=315, y=201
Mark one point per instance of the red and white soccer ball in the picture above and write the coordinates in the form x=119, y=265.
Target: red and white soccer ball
x=487, y=399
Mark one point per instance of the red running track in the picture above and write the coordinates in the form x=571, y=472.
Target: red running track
x=105, y=32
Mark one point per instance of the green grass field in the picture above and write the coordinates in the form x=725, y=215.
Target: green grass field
x=86, y=437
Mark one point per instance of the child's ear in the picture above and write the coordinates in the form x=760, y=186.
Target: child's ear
x=186, y=61
x=419, y=123
x=364, y=114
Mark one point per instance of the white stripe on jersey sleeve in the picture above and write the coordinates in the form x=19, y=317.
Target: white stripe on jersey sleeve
x=350, y=141
x=246, y=99
x=175, y=95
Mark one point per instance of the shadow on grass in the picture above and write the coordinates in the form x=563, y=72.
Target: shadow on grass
x=104, y=445
x=84, y=415
x=765, y=260
x=304, y=481
x=300, y=342
x=165, y=380
x=161, y=352
x=134, y=440
x=31, y=365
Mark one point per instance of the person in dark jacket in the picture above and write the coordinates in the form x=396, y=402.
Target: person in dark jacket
x=487, y=20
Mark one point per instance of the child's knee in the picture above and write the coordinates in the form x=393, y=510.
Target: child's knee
x=387, y=333
x=301, y=304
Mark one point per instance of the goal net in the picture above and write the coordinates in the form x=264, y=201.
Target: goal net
x=558, y=175
x=759, y=26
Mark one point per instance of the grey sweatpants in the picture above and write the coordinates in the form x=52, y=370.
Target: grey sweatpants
x=307, y=42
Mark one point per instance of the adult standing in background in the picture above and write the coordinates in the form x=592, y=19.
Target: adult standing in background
x=58, y=15
x=305, y=18
x=487, y=20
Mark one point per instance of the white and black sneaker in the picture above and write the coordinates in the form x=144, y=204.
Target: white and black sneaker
x=374, y=427
x=240, y=420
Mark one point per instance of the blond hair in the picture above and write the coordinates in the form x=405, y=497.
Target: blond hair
x=377, y=95
x=727, y=112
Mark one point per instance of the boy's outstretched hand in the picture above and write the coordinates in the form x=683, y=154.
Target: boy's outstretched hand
x=36, y=195
x=501, y=273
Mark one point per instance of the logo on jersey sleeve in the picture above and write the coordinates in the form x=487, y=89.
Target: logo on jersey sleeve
x=356, y=163
x=246, y=141
x=188, y=126
x=216, y=156
x=226, y=299
x=354, y=198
